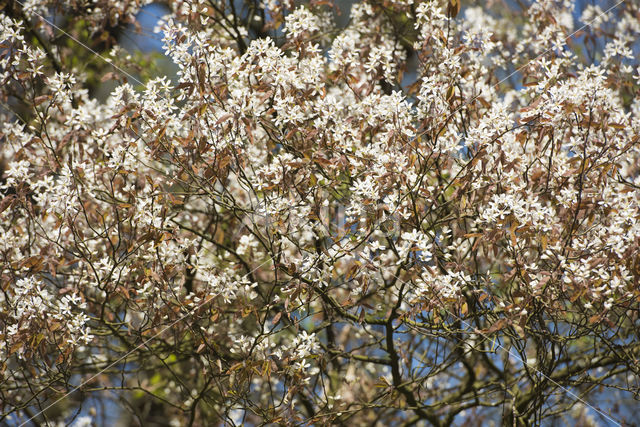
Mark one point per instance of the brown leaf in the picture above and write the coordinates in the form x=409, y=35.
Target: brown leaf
x=500, y=324
x=453, y=8
x=40, y=99
x=224, y=118
x=276, y=318
x=6, y=202
x=108, y=76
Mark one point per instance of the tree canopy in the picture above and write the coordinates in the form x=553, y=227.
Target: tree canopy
x=405, y=213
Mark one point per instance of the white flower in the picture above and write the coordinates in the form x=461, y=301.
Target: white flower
x=299, y=21
x=83, y=421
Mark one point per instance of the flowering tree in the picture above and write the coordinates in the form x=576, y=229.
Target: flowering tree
x=425, y=216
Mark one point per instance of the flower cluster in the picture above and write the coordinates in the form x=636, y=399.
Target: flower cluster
x=35, y=312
